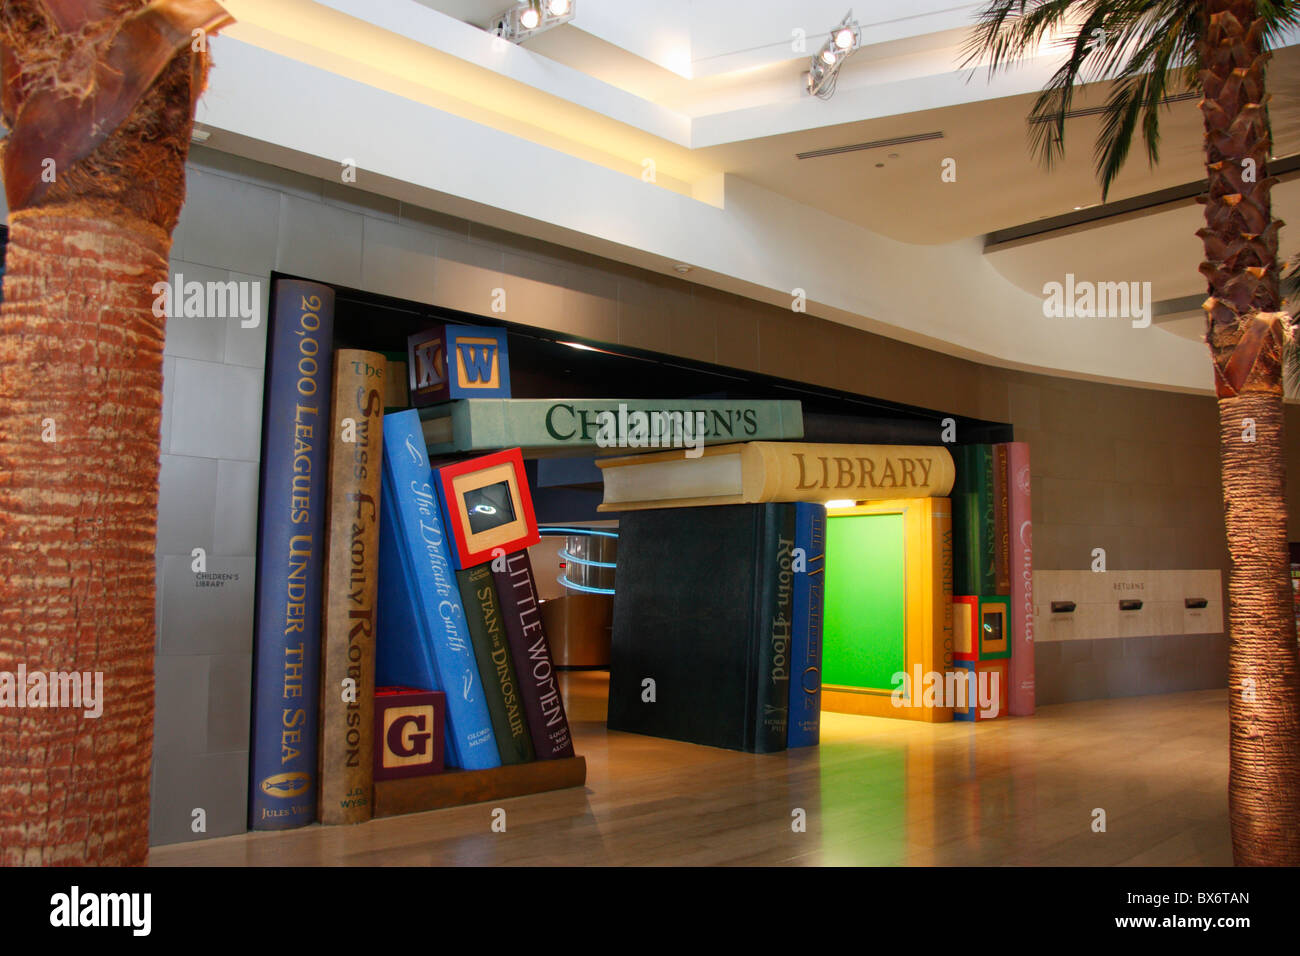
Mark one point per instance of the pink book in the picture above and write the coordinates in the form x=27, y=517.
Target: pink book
x=1020, y=524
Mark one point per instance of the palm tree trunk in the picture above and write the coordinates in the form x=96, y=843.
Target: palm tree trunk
x=1246, y=332
x=1263, y=668
x=81, y=364
x=101, y=94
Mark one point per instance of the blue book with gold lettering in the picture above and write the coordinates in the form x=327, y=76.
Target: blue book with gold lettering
x=291, y=555
x=422, y=638
x=806, y=625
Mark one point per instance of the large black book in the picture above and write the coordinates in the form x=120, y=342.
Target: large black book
x=702, y=608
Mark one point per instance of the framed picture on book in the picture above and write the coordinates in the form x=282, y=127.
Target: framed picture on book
x=487, y=505
x=981, y=627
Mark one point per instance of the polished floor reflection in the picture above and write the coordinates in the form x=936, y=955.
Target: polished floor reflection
x=877, y=792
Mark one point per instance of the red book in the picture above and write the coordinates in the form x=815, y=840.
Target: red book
x=1021, y=566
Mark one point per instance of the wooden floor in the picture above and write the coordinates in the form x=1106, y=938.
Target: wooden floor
x=882, y=792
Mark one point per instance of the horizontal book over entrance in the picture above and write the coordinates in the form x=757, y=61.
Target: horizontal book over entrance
x=552, y=425
x=756, y=472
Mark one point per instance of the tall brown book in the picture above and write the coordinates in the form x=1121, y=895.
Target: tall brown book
x=351, y=575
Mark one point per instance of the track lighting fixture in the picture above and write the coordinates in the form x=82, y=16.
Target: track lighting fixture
x=843, y=40
x=530, y=18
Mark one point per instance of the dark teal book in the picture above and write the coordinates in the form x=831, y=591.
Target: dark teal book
x=702, y=618
x=291, y=555
x=988, y=495
x=974, y=521
x=487, y=632
x=806, y=626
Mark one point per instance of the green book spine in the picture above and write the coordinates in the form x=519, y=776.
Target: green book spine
x=1001, y=520
x=772, y=643
x=974, y=521
x=481, y=424
x=986, y=492
x=487, y=633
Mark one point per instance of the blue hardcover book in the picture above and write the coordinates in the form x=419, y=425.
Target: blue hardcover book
x=806, y=628
x=423, y=640
x=291, y=555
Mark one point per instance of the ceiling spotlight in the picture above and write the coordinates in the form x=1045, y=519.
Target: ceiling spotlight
x=843, y=40
x=530, y=18
x=681, y=268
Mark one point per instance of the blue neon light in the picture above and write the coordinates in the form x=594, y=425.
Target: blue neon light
x=583, y=587
x=597, y=532
x=586, y=562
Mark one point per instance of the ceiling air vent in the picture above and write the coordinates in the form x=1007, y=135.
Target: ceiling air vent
x=877, y=144
x=1095, y=110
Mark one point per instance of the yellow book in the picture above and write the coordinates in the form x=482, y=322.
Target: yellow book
x=888, y=610
x=761, y=471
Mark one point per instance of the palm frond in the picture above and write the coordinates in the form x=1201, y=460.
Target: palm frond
x=1149, y=49
x=1048, y=115
x=1148, y=75
x=1006, y=30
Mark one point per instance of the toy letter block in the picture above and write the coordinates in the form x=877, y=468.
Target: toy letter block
x=409, y=731
x=983, y=685
x=457, y=361
x=981, y=628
